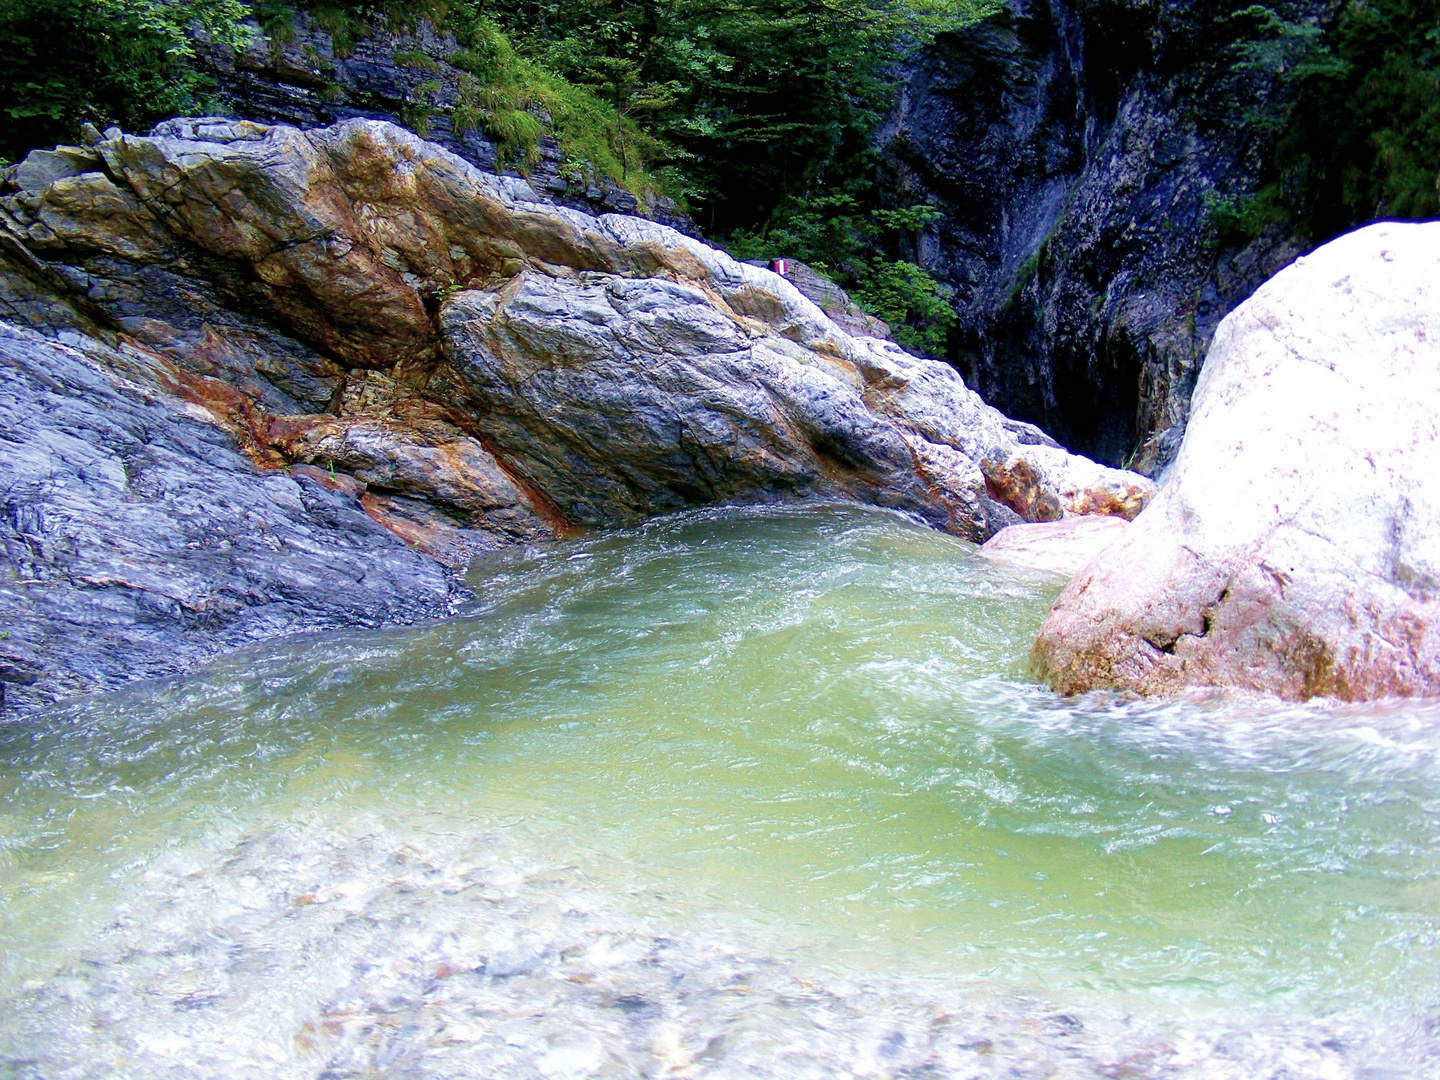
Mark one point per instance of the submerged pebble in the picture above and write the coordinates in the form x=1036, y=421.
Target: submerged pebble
x=419, y=951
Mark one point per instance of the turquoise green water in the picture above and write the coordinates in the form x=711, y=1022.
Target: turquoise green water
x=811, y=728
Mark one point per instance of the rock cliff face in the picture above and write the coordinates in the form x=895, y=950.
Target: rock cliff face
x=138, y=540
x=375, y=324
x=1295, y=548
x=1075, y=149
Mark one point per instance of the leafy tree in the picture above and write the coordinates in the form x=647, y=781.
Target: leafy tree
x=1364, y=140
x=64, y=62
x=1355, y=128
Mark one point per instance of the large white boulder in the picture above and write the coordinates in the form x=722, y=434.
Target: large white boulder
x=1295, y=548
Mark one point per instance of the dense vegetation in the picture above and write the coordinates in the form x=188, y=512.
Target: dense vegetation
x=1356, y=128
x=64, y=62
x=758, y=115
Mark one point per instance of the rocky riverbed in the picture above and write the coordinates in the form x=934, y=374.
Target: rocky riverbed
x=419, y=949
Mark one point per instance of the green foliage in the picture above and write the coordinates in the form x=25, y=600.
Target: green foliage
x=1269, y=44
x=829, y=231
x=348, y=21
x=1236, y=220
x=419, y=108
x=509, y=94
x=771, y=103
x=64, y=62
x=1364, y=140
x=1356, y=125
x=911, y=301
x=910, y=219
x=834, y=236
x=417, y=60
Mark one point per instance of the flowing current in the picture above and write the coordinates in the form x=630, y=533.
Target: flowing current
x=758, y=793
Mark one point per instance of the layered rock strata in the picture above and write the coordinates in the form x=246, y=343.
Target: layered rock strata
x=138, y=540
x=1295, y=548
x=365, y=313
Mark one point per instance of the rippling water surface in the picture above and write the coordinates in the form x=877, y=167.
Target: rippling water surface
x=761, y=793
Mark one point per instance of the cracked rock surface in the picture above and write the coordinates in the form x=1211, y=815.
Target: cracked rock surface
x=353, y=319
x=138, y=540
x=1293, y=549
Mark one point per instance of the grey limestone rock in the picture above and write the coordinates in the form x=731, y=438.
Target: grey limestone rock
x=137, y=540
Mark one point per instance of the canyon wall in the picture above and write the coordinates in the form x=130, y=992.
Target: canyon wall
x=1077, y=150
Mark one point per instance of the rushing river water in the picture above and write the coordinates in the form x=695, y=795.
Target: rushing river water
x=761, y=793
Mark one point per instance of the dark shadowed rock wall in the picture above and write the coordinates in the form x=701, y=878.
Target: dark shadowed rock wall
x=1071, y=146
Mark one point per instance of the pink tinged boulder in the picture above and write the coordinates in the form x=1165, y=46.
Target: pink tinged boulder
x=1295, y=547
x=1061, y=547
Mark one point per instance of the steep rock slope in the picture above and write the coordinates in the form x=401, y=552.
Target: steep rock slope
x=137, y=540
x=467, y=365
x=1076, y=151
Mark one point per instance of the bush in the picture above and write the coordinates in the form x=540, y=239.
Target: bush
x=835, y=237
x=126, y=62
x=911, y=301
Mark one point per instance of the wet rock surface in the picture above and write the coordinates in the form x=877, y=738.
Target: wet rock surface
x=1075, y=152
x=138, y=540
x=1057, y=547
x=469, y=366
x=1294, y=548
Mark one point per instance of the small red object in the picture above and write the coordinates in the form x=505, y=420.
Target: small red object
x=780, y=266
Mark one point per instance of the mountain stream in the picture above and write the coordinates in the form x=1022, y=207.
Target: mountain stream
x=754, y=793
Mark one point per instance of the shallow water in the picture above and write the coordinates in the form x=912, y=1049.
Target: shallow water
x=755, y=793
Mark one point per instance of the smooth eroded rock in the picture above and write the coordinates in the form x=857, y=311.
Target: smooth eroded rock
x=1057, y=547
x=136, y=540
x=1295, y=549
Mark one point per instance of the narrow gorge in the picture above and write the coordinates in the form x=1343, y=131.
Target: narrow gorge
x=774, y=539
